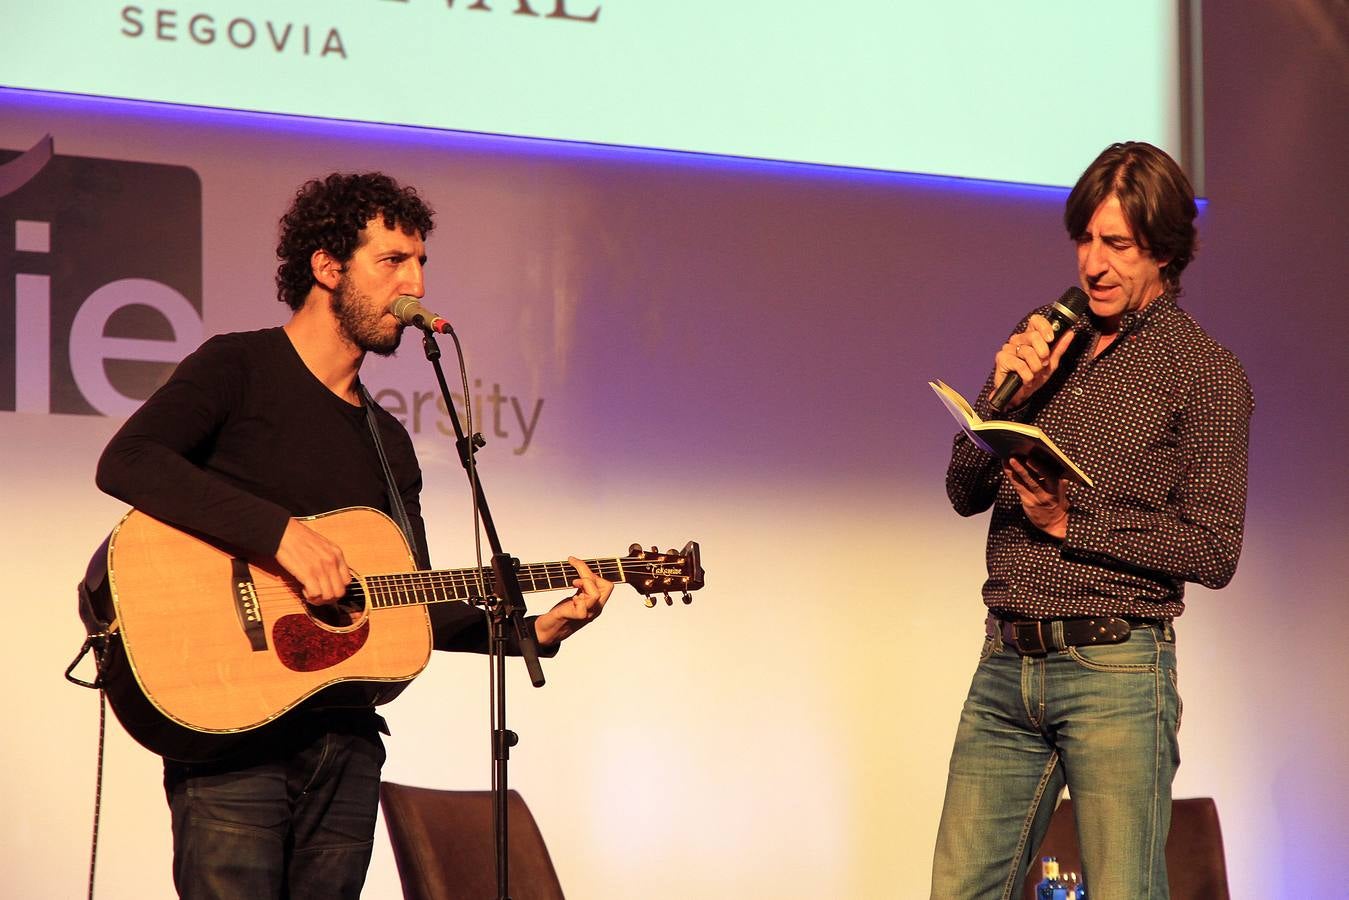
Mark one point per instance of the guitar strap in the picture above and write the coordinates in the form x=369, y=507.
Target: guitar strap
x=400, y=514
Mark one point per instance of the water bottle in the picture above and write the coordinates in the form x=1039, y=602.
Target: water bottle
x=1050, y=887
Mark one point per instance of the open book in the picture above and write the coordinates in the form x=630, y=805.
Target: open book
x=1002, y=438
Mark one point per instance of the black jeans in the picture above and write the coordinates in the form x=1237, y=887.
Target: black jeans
x=295, y=824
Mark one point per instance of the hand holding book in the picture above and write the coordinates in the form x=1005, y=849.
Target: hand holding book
x=1043, y=492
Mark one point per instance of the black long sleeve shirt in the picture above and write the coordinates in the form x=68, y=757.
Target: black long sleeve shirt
x=243, y=437
x=1160, y=421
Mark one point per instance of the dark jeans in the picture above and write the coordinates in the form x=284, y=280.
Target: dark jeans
x=292, y=824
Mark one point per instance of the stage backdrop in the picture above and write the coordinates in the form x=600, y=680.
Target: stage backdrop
x=665, y=349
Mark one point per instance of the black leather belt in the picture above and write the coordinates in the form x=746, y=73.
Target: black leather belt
x=1035, y=637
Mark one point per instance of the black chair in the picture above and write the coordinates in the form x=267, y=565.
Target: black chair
x=444, y=848
x=1195, y=864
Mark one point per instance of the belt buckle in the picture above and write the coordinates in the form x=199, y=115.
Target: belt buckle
x=1024, y=632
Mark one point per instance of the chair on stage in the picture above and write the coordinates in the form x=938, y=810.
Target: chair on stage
x=1195, y=864
x=444, y=848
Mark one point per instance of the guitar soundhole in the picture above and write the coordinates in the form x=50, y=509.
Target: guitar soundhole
x=342, y=614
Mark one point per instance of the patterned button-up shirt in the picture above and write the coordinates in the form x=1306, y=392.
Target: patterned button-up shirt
x=1159, y=421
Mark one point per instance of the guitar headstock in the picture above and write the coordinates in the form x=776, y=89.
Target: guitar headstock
x=652, y=572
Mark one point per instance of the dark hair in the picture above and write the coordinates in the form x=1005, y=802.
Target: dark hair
x=1154, y=194
x=331, y=214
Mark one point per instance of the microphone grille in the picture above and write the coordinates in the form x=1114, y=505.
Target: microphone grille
x=1073, y=303
x=405, y=309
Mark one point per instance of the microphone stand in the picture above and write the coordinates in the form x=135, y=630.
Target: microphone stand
x=508, y=605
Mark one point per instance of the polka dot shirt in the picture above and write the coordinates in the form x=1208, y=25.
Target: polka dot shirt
x=1160, y=422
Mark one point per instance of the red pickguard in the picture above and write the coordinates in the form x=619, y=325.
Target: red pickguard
x=303, y=646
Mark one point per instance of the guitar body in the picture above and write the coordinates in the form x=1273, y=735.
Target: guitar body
x=208, y=649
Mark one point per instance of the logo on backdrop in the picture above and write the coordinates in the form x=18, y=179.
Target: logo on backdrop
x=100, y=279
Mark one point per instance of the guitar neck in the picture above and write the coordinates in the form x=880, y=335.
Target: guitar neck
x=444, y=585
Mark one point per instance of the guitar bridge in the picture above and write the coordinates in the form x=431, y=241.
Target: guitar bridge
x=246, y=604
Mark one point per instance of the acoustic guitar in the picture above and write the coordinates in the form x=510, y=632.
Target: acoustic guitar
x=204, y=647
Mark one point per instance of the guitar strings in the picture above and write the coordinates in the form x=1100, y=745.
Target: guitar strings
x=383, y=590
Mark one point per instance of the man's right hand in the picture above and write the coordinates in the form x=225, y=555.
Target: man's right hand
x=314, y=561
x=1028, y=354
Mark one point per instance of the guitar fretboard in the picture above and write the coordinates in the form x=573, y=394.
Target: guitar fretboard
x=444, y=585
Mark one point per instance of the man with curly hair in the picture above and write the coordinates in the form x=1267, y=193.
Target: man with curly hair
x=253, y=432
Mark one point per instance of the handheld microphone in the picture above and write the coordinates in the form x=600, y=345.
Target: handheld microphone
x=1062, y=315
x=409, y=310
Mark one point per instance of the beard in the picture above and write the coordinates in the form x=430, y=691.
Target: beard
x=361, y=324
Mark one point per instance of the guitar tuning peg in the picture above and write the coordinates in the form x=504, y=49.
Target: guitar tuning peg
x=668, y=600
x=635, y=550
x=687, y=598
x=671, y=552
x=649, y=600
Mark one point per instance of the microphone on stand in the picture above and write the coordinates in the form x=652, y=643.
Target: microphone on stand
x=409, y=310
x=1062, y=316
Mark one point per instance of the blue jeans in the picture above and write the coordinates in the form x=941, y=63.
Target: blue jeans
x=1103, y=721
x=297, y=823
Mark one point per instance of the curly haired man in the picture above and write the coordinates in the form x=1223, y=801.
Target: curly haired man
x=253, y=432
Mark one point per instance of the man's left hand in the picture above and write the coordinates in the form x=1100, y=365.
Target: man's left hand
x=1043, y=493
x=569, y=616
